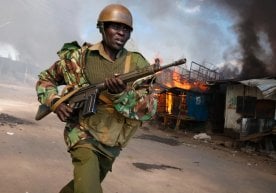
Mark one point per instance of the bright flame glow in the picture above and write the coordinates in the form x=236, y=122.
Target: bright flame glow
x=179, y=82
x=169, y=102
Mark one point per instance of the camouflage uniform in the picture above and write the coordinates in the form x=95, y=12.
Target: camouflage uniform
x=106, y=132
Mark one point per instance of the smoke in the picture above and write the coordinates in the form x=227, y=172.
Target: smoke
x=256, y=29
x=36, y=30
x=195, y=29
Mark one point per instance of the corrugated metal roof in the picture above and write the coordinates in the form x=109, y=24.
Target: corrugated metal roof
x=266, y=86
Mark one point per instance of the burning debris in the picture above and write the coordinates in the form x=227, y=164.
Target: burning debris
x=184, y=93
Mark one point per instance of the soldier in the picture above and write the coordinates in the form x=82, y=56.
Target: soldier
x=95, y=141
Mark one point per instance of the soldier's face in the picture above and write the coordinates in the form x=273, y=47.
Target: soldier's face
x=116, y=35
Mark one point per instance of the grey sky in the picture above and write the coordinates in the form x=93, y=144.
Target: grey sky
x=32, y=31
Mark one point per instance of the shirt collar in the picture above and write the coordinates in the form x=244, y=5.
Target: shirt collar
x=99, y=47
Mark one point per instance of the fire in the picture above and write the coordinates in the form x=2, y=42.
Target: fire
x=183, y=85
x=180, y=81
x=169, y=102
x=175, y=104
x=201, y=86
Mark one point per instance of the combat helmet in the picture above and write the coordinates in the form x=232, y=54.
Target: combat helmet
x=115, y=13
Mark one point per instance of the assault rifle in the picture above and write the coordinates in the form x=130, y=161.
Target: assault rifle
x=86, y=97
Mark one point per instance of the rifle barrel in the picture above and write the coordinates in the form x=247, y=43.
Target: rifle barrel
x=175, y=63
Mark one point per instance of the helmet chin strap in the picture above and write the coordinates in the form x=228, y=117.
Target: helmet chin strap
x=101, y=27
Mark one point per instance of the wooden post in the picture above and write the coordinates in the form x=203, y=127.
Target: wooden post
x=181, y=108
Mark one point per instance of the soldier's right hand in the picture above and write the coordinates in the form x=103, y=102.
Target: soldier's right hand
x=115, y=85
x=63, y=112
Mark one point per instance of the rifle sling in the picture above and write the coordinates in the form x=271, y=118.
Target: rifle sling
x=105, y=99
x=63, y=99
x=127, y=62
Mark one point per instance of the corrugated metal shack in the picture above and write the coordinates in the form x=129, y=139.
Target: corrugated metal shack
x=242, y=109
x=182, y=105
x=184, y=95
x=249, y=109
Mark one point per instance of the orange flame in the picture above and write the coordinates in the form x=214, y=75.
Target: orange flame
x=180, y=82
x=169, y=102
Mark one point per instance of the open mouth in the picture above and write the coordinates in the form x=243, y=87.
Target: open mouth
x=119, y=41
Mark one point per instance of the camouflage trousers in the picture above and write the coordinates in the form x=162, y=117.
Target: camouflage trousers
x=90, y=168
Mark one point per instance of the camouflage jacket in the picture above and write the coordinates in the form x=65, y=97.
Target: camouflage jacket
x=114, y=123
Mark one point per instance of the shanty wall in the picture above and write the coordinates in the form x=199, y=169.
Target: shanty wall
x=187, y=106
x=232, y=118
x=197, y=106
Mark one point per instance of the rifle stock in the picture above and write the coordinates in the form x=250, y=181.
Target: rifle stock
x=86, y=97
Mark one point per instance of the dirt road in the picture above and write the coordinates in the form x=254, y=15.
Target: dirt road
x=34, y=158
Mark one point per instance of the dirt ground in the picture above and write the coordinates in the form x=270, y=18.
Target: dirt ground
x=34, y=157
